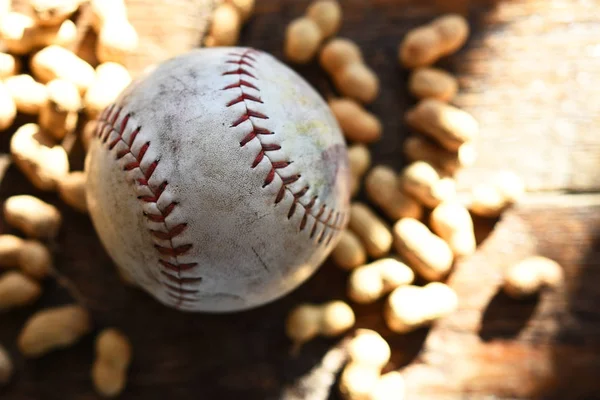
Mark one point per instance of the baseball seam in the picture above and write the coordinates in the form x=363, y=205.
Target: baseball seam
x=243, y=66
x=107, y=124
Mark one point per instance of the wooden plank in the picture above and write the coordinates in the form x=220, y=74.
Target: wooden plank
x=491, y=346
x=527, y=75
x=544, y=347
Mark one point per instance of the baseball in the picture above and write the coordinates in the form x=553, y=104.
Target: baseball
x=218, y=181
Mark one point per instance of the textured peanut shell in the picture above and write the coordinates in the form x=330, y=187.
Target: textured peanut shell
x=359, y=157
x=32, y=216
x=453, y=223
x=55, y=62
x=38, y=157
x=339, y=53
x=8, y=108
x=327, y=14
x=381, y=186
x=349, y=252
x=358, y=124
x=116, y=41
x=371, y=230
x=71, y=190
x=17, y=290
x=428, y=254
x=53, y=329
x=432, y=83
x=358, y=82
x=35, y=260
x=370, y=282
x=113, y=356
x=336, y=318
x=302, y=40
x=53, y=12
x=530, y=275
x=10, y=249
x=9, y=65
x=369, y=348
x=419, y=148
x=423, y=182
x=59, y=115
x=410, y=307
x=357, y=381
x=448, y=125
x=111, y=80
x=29, y=95
x=22, y=35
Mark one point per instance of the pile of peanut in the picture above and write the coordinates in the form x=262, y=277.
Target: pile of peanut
x=59, y=93
x=415, y=225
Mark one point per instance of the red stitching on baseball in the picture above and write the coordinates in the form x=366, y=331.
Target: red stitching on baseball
x=107, y=125
x=243, y=62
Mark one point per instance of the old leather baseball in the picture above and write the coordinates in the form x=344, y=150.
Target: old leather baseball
x=218, y=181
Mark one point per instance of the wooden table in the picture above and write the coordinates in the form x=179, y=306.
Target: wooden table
x=529, y=74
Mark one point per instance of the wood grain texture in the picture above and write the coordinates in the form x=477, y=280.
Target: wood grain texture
x=492, y=347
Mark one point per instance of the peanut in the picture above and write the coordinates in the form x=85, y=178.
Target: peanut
x=359, y=82
x=358, y=125
x=59, y=115
x=530, y=275
x=52, y=329
x=72, y=190
x=432, y=83
x=417, y=148
x=360, y=161
x=453, y=223
x=424, y=183
x=117, y=38
x=349, y=252
x=43, y=162
x=302, y=40
x=338, y=53
x=327, y=14
x=10, y=250
x=425, y=45
x=35, y=259
x=21, y=34
x=116, y=41
x=225, y=26
x=111, y=79
x=307, y=321
x=106, y=10
x=32, y=216
x=448, y=125
x=9, y=65
x=370, y=282
x=29, y=95
x=490, y=199
x=411, y=307
x=244, y=7
x=113, y=356
x=368, y=353
x=6, y=366
x=343, y=61
x=428, y=254
x=390, y=386
x=53, y=12
x=55, y=62
x=371, y=230
x=17, y=290
x=381, y=185
x=8, y=108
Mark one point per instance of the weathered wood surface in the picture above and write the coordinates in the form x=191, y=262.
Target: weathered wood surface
x=535, y=119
